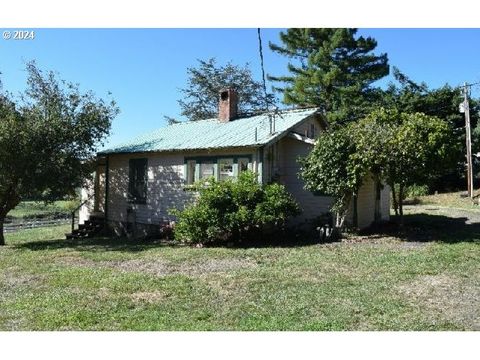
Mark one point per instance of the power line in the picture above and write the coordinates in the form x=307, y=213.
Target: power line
x=260, y=50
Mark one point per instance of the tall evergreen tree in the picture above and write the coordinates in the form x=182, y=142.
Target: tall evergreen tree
x=332, y=69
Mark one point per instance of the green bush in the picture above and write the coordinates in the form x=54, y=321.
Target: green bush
x=231, y=210
x=413, y=191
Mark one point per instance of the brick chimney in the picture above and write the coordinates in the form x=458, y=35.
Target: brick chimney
x=227, y=105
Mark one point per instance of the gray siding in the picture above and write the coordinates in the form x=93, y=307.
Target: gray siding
x=165, y=186
x=289, y=150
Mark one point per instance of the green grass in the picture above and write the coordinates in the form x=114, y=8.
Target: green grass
x=453, y=200
x=370, y=283
x=35, y=209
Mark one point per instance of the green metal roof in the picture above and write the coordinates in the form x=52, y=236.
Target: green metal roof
x=212, y=134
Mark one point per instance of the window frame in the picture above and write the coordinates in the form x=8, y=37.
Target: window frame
x=190, y=180
x=234, y=173
x=215, y=159
x=133, y=182
x=312, y=131
x=249, y=164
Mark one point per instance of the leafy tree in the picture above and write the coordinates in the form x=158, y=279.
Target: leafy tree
x=231, y=210
x=205, y=82
x=404, y=149
x=332, y=69
x=334, y=169
x=393, y=147
x=408, y=96
x=46, y=136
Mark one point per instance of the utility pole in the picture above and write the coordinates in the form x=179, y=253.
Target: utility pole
x=466, y=109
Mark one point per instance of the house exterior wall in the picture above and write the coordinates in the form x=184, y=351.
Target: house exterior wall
x=166, y=188
x=100, y=194
x=385, y=202
x=289, y=150
x=92, y=195
x=305, y=128
x=366, y=204
x=86, y=197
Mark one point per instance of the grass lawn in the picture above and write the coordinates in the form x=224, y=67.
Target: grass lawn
x=35, y=209
x=452, y=200
x=426, y=279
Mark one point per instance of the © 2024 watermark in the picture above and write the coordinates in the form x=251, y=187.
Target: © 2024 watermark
x=18, y=34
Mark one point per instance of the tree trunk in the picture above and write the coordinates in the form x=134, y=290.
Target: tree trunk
x=8, y=202
x=339, y=220
x=2, y=238
x=400, y=203
x=394, y=199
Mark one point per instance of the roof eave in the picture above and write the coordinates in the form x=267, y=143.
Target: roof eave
x=284, y=133
x=254, y=146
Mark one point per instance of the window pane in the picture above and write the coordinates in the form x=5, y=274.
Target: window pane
x=207, y=169
x=191, y=165
x=242, y=164
x=138, y=180
x=225, y=168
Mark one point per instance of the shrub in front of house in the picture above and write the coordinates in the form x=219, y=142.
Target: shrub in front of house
x=232, y=210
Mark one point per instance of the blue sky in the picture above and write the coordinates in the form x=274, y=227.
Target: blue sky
x=144, y=68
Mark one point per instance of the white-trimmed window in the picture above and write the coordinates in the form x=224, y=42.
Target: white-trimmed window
x=207, y=169
x=243, y=164
x=220, y=168
x=190, y=176
x=225, y=169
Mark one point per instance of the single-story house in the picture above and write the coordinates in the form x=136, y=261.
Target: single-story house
x=137, y=183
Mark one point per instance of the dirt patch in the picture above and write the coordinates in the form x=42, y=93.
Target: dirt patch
x=148, y=297
x=449, y=297
x=77, y=261
x=13, y=280
x=162, y=268
x=376, y=240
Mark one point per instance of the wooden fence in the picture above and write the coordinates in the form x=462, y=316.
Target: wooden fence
x=12, y=227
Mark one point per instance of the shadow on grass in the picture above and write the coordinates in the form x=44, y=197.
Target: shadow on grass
x=426, y=227
x=417, y=228
x=95, y=244
x=287, y=239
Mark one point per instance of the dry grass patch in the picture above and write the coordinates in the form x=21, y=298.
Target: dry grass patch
x=161, y=267
x=449, y=297
x=148, y=297
x=12, y=280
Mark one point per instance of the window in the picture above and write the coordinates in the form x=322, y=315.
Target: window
x=220, y=168
x=190, y=176
x=137, y=182
x=207, y=169
x=242, y=164
x=312, y=131
x=225, y=169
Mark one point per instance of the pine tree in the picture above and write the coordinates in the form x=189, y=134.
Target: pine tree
x=332, y=69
